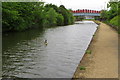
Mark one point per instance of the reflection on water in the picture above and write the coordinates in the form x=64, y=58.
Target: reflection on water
x=26, y=56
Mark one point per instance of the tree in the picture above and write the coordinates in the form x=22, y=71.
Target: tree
x=65, y=14
x=48, y=6
x=19, y=16
x=113, y=9
x=60, y=20
x=103, y=15
x=51, y=17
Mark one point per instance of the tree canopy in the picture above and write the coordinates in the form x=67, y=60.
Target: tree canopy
x=19, y=16
x=112, y=15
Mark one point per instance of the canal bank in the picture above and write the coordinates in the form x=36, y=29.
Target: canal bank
x=103, y=60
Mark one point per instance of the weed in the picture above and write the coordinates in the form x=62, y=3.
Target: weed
x=88, y=51
x=82, y=68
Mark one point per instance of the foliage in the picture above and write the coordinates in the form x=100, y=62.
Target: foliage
x=68, y=18
x=112, y=15
x=82, y=68
x=60, y=20
x=48, y=6
x=79, y=18
x=113, y=9
x=88, y=51
x=51, y=17
x=19, y=16
x=103, y=15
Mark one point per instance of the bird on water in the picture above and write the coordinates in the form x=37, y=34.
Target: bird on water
x=46, y=42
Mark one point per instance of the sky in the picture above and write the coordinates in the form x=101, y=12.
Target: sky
x=80, y=4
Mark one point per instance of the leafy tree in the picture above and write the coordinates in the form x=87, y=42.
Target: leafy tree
x=113, y=9
x=112, y=15
x=9, y=16
x=60, y=20
x=68, y=16
x=103, y=15
x=65, y=14
x=19, y=16
x=48, y=6
x=51, y=17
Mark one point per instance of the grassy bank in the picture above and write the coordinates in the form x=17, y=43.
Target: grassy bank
x=114, y=23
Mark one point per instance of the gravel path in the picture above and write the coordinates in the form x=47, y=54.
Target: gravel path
x=103, y=61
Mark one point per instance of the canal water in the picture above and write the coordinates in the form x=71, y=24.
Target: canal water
x=26, y=56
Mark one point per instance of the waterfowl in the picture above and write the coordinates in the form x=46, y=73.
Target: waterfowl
x=45, y=42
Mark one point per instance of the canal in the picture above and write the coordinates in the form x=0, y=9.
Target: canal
x=24, y=54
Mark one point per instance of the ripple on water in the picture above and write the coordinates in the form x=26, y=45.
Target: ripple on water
x=30, y=58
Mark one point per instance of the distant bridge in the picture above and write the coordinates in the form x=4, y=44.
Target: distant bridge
x=87, y=14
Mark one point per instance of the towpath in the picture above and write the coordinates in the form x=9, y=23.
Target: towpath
x=103, y=61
